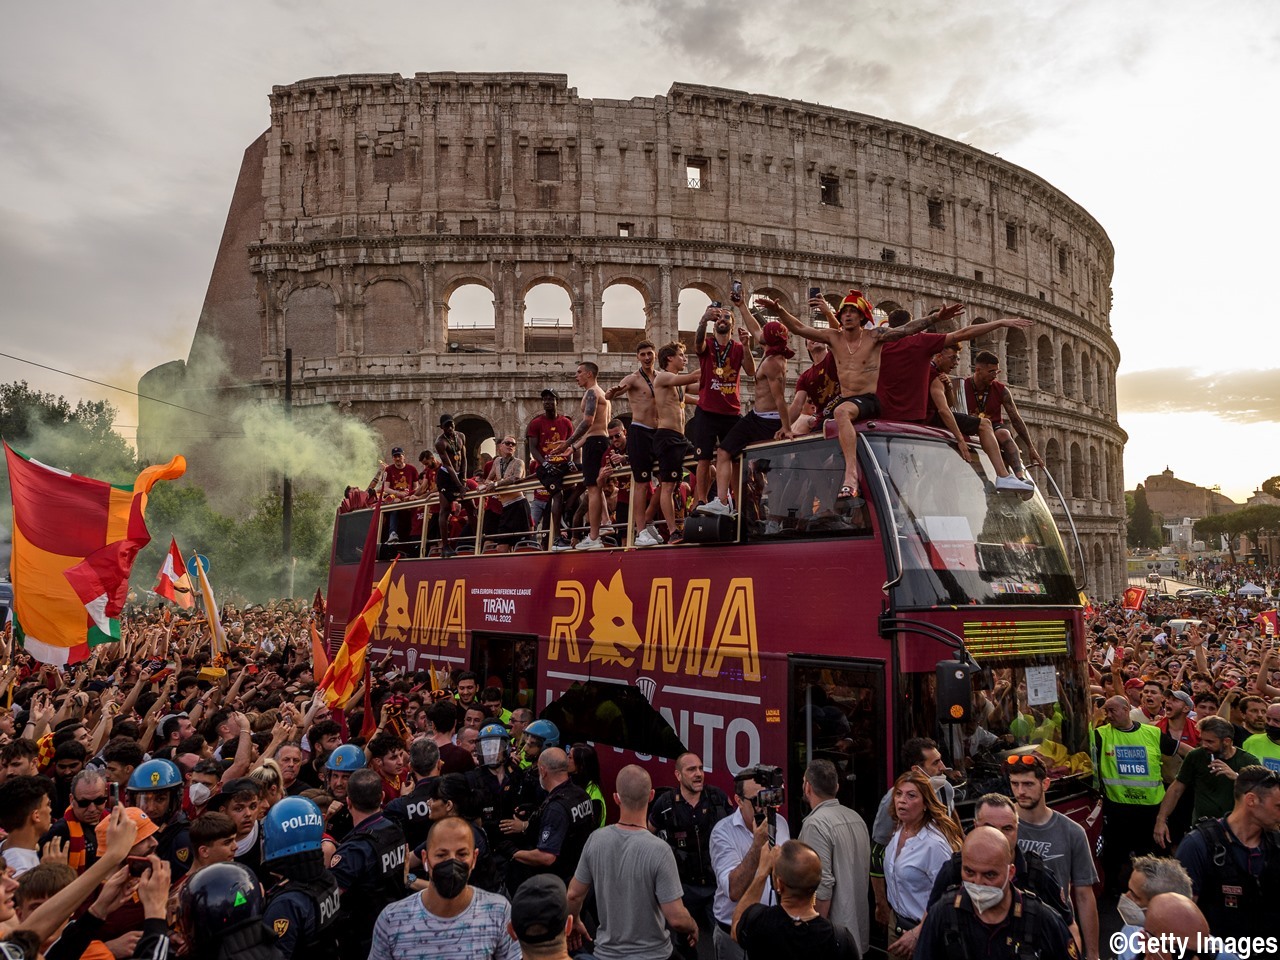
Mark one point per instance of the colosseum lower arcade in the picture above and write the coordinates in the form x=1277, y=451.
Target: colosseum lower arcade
x=376, y=205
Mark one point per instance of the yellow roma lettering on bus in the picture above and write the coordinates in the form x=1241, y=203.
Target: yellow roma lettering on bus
x=672, y=633
x=735, y=634
x=434, y=624
x=566, y=627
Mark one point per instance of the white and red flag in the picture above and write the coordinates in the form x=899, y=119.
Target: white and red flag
x=173, y=583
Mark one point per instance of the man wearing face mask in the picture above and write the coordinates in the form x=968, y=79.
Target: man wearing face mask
x=1266, y=745
x=1151, y=877
x=369, y=865
x=987, y=916
x=450, y=920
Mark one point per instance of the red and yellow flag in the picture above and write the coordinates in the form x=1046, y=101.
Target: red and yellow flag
x=172, y=583
x=1266, y=622
x=74, y=543
x=319, y=658
x=1133, y=597
x=344, y=674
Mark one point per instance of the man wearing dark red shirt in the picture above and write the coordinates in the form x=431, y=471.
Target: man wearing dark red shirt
x=548, y=430
x=401, y=478
x=818, y=385
x=721, y=359
x=987, y=397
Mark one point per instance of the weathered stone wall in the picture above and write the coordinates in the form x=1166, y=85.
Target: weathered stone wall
x=373, y=198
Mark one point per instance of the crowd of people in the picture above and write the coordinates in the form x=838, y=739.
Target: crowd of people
x=157, y=799
x=861, y=367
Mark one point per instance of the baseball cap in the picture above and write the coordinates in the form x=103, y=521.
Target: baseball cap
x=550, y=393
x=446, y=418
x=397, y=451
x=146, y=826
x=1132, y=683
x=539, y=909
x=230, y=789
x=1185, y=697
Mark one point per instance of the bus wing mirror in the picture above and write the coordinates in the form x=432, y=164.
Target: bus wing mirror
x=955, y=691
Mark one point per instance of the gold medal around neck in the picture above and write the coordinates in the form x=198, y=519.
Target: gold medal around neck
x=720, y=372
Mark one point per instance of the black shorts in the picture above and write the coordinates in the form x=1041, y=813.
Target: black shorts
x=671, y=448
x=447, y=487
x=708, y=430
x=514, y=520
x=640, y=451
x=752, y=428
x=593, y=451
x=868, y=405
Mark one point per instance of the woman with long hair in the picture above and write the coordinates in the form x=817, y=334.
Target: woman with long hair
x=925, y=838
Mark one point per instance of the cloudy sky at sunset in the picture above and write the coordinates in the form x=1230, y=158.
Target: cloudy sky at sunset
x=122, y=128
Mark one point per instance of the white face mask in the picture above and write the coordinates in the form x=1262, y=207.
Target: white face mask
x=199, y=793
x=1130, y=912
x=983, y=897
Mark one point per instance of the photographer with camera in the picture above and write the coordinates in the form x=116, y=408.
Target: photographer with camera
x=736, y=843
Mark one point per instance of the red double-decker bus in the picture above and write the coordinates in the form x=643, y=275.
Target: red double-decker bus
x=802, y=632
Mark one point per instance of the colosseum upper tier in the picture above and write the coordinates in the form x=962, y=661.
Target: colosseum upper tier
x=373, y=199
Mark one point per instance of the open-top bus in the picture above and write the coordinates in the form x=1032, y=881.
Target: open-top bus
x=806, y=632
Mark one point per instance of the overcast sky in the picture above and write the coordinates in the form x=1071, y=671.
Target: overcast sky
x=122, y=128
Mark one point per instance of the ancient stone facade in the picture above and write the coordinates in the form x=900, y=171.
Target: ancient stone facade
x=372, y=199
x=1174, y=499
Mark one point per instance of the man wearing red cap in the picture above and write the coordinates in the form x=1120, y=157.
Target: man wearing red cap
x=764, y=422
x=856, y=354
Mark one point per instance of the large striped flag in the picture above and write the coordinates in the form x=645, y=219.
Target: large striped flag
x=173, y=583
x=74, y=543
x=217, y=636
x=344, y=674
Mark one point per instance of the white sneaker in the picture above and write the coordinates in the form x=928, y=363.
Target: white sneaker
x=647, y=539
x=771, y=527
x=393, y=537
x=1012, y=483
x=586, y=543
x=717, y=507
x=652, y=530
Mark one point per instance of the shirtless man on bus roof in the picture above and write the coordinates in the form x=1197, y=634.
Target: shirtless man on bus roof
x=591, y=437
x=641, y=396
x=856, y=352
x=669, y=443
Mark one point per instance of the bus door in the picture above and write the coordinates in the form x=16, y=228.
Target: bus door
x=837, y=713
x=509, y=661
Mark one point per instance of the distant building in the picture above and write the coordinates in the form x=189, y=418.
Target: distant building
x=1174, y=498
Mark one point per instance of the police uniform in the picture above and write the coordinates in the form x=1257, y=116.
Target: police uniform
x=412, y=813
x=497, y=801
x=686, y=829
x=370, y=869
x=562, y=825
x=1237, y=888
x=173, y=843
x=301, y=915
x=1030, y=931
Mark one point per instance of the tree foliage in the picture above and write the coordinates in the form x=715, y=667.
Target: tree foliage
x=1252, y=522
x=79, y=438
x=1272, y=486
x=1144, y=526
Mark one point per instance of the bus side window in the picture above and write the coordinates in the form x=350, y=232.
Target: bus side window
x=789, y=492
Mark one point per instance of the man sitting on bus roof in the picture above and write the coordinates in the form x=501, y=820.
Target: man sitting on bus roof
x=986, y=397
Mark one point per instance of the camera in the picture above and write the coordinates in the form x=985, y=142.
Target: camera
x=771, y=796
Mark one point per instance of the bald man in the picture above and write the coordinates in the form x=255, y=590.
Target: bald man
x=992, y=916
x=792, y=927
x=1175, y=920
x=561, y=825
x=636, y=881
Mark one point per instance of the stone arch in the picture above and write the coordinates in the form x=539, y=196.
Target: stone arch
x=548, y=319
x=1053, y=462
x=1102, y=388
x=390, y=309
x=1095, y=472
x=626, y=304
x=470, y=319
x=1017, y=364
x=773, y=293
x=1068, y=367
x=1079, y=488
x=311, y=321
x=1102, y=588
x=882, y=310
x=1046, y=375
x=395, y=431
x=1086, y=378
x=692, y=301
x=477, y=430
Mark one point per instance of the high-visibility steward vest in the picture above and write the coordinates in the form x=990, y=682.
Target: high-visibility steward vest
x=1130, y=764
x=1265, y=749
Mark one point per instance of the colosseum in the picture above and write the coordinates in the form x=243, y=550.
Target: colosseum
x=376, y=206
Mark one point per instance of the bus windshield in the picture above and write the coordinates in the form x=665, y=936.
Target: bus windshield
x=961, y=542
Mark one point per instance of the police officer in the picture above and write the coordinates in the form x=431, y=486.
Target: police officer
x=155, y=787
x=302, y=907
x=493, y=783
x=411, y=811
x=683, y=818
x=986, y=916
x=560, y=827
x=1129, y=767
x=220, y=913
x=343, y=762
x=369, y=865
x=538, y=736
